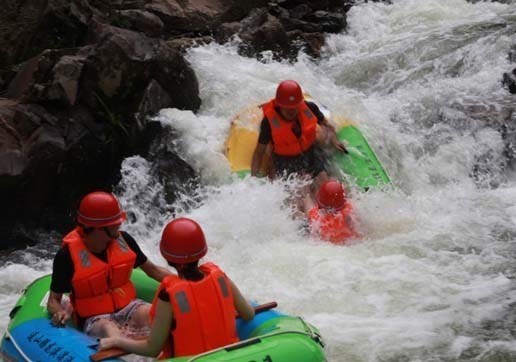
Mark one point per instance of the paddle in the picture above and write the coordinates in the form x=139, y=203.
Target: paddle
x=263, y=307
x=107, y=353
x=117, y=352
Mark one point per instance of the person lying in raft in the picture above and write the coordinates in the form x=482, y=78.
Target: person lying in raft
x=192, y=312
x=94, y=265
x=329, y=216
x=293, y=129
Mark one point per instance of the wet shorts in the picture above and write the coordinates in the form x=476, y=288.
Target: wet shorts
x=311, y=162
x=121, y=317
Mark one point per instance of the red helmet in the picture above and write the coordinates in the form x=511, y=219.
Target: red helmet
x=183, y=241
x=289, y=94
x=100, y=209
x=331, y=195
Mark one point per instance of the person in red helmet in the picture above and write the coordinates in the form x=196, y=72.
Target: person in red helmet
x=94, y=265
x=292, y=128
x=330, y=216
x=192, y=312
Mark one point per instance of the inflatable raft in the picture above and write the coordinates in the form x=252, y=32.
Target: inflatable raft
x=269, y=337
x=359, y=167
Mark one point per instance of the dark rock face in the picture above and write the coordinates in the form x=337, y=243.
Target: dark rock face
x=80, y=79
x=286, y=27
x=201, y=15
x=141, y=20
x=27, y=28
x=509, y=80
x=174, y=173
x=73, y=114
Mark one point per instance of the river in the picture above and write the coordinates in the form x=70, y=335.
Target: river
x=433, y=277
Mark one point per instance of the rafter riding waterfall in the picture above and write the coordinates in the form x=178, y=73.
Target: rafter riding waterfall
x=413, y=87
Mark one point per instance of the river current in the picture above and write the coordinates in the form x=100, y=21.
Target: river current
x=433, y=277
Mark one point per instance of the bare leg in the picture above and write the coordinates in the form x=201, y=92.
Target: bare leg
x=105, y=328
x=138, y=324
x=140, y=317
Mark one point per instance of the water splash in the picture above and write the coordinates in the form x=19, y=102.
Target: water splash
x=433, y=277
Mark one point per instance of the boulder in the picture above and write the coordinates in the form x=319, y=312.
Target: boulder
x=509, y=81
x=141, y=20
x=74, y=114
x=29, y=27
x=200, y=15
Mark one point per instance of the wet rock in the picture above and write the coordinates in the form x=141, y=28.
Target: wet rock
x=508, y=132
x=154, y=98
x=76, y=113
x=270, y=35
x=291, y=24
x=174, y=173
x=200, y=16
x=124, y=62
x=286, y=27
x=31, y=150
x=183, y=43
x=49, y=161
x=86, y=14
x=113, y=5
x=28, y=28
x=110, y=77
x=140, y=20
x=300, y=11
x=329, y=22
x=310, y=42
x=509, y=81
x=512, y=54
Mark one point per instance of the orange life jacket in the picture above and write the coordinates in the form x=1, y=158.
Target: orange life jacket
x=285, y=142
x=100, y=287
x=334, y=226
x=203, y=311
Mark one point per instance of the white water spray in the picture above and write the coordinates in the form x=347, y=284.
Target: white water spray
x=432, y=279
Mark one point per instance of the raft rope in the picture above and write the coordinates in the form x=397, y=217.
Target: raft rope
x=9, y=335
x=310, y=332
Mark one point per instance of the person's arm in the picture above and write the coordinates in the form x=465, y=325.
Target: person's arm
x=151, y=269
x=328, y=133
x=263, y=147
x=308, y=203
x=333, y=140
x=154, y=271
x=258, y=154
x=62, y=272
x=331, y=136
x=151, y=346
x=243, y=307
x=59, y=315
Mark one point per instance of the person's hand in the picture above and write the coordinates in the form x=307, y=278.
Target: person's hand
x=60, y=318
x=107, y=343
x=339, y=145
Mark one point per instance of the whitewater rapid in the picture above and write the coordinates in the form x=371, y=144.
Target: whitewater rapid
x=433, y=277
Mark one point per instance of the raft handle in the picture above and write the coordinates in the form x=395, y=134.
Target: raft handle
x=313, y=333
x=308, y=333
x=13, y=311
x=243, y=344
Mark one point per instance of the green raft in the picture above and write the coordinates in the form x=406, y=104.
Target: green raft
x=360, y=165
x=269, y=337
